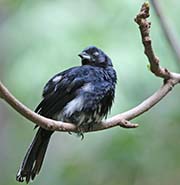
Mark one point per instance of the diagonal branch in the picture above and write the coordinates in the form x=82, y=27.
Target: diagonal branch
x=170, y=80
x=144, y=26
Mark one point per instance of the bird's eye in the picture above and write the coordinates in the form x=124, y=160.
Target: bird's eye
x=96, y=53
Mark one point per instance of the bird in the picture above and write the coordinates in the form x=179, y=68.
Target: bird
x=81, y=95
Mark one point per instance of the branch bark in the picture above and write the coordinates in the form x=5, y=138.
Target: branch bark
x=170, y=80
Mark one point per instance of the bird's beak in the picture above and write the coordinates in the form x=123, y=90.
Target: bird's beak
x=84, y=56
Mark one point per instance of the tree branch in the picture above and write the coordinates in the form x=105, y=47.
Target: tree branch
x=170, y=80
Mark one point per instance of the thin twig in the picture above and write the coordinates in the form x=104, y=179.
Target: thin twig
x=168, y=31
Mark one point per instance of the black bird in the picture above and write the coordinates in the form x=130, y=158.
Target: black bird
x=80, y=95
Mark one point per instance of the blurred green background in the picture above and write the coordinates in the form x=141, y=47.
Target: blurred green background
x=39, y=38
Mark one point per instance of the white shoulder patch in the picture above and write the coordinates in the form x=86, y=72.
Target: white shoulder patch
x=57, y=78
x=74, y=105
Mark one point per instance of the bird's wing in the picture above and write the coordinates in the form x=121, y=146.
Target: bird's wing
x=61, y=89
x=56, y=80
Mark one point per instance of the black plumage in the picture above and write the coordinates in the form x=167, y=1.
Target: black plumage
x=81, y=95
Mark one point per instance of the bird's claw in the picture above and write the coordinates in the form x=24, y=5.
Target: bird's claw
x=82, y=136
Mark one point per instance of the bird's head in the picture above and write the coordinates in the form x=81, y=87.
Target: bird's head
x=95, y=57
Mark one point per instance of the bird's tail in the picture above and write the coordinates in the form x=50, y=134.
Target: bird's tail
x=33, y=159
